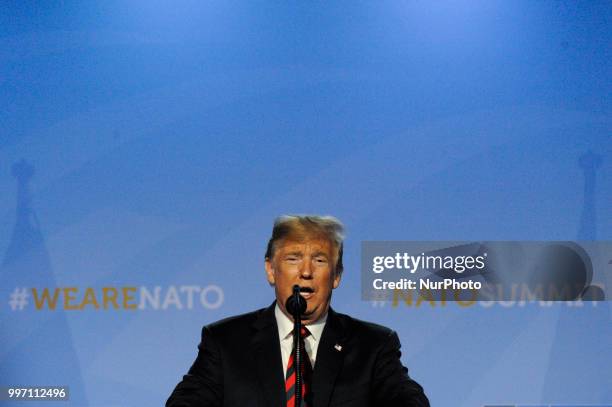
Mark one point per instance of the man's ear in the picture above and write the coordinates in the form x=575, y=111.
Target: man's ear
x=270, y=272
x=337, y=278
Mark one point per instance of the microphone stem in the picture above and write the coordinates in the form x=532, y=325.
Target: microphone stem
x=297, y=356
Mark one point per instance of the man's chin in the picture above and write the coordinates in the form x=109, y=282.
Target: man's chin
x=311, y=316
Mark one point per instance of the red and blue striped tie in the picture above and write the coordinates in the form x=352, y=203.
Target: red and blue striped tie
x=306, y=375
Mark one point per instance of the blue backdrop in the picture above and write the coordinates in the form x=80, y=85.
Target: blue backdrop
x=147, y=146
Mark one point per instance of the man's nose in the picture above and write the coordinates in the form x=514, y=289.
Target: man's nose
x=306, y=271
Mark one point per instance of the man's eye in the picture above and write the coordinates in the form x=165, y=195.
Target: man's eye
x=292, y=259
x=321, y=260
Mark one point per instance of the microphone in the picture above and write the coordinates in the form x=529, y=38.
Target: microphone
x=296, y=304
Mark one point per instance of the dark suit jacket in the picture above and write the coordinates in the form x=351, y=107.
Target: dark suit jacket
x=239, y=364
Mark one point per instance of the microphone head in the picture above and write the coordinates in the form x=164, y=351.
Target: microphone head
x=296, y=304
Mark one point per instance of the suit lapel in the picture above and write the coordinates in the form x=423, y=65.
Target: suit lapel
x=330, y=355
x=266, y=349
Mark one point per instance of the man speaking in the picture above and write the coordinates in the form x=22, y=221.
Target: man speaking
x=247, y=360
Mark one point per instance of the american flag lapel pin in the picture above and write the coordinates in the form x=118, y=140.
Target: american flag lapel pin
x=338, y=347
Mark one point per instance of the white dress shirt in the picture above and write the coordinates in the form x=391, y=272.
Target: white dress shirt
x=285, y=333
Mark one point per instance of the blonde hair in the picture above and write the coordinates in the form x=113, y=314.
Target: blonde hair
x=300, y=227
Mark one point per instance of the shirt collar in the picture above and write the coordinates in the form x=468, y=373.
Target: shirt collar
x=285, y=325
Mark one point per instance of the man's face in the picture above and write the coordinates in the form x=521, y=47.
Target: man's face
x=309, y=263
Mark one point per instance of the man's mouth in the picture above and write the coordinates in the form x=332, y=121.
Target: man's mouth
x=306, y=292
